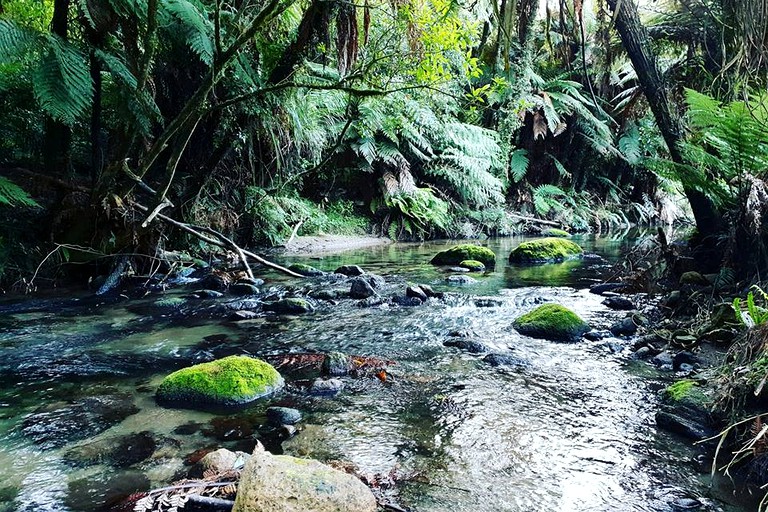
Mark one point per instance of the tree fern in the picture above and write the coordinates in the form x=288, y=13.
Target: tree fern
x=61, y=81
x=518, y=164
x=629, y=144
x=547, y=198
x=195, y=27
x=16, y=42
x=13, y=195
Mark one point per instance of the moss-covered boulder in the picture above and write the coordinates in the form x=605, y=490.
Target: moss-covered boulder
x=556, y=233
x=684, y=410
x=473, y=265
x=289, y=306
x=545, y=250
x=234, y=380
x=552, y=322
x=458, y=253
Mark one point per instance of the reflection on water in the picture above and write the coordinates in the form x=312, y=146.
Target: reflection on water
x=570, y=429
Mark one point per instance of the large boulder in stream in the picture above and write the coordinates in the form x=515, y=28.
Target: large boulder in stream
x=232, y=381
x=552, y=322
x=279, y=483
x=465, y=252
x=545, y=250
x=684, y=410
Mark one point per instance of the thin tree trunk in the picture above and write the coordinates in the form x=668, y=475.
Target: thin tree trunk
x=56, y=154
x=97, y=151
x=636, y=42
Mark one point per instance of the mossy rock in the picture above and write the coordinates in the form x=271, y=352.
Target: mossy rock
x=473, y=265
x=556, y=233
x=234, y=380
x=306, y=270
x=458, y=253
x=545, y=250
x=552, y=322
x=685, y=390
x=289, y=306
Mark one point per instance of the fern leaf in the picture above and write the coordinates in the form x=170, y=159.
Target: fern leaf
x=629, y=145
x=15, y=42
x=62, y=82
x=13, y=195
x=518, y=164
x=196, y=27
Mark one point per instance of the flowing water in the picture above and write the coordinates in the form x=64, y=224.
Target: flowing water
x=569, y=428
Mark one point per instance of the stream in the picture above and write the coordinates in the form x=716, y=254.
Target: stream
x=569, y=428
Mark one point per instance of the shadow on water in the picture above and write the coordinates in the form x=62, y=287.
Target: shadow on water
x=569, y=427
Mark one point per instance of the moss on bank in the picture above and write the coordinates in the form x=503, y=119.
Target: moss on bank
x=233, y=380
x=552, y=322
x=545, y=250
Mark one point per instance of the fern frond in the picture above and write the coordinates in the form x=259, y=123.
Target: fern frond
x=196, y=27
x=16, y=42
x=62, y=82
x=518, y=164
x=13, y=195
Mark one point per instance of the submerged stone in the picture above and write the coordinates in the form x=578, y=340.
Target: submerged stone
x=118, y=451
x=552, y=322
x=280, y=483
x=463, y=252
x=306, y=270
x=289, y=306
x=283, y=416
x=467, y=344
x=545, y=250
x=234, y=380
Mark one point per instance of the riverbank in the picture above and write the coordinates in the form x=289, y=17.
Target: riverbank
x=321, y=245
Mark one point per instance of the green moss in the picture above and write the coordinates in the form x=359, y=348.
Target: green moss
x=458, y=253
x=545, y=250
x=170, y=303
x=473, y=265
x=233, y=380
x=679, y=390
x=554, y=232
x=553, y=322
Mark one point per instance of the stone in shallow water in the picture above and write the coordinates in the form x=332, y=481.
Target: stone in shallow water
x=118, y=451
x=350, y=270
x=326, y=386
x=57, y=424
x=336, y=364
x=469, y=345
x=361, y=289
x=306, y=270
x=283, y=416
x=460, y=280
x=279, y=483
x=463, y=252
x=551, y=322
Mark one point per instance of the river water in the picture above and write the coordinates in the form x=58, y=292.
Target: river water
x=569, y=428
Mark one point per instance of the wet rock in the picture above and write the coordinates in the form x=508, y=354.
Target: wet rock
x=643, y=353
x=234, y=380
x=118, y=451
x=336, y=364
x=601, y=288
x=430, y=292
x=326, y=386
x=278, y=416
x=306, y=270
x=187, y=429
x=279, y=483
x=693, y=278
x=460, y=280
x=552, y=322
x=503, y=360
x=231, y=428
x=545, y=250
x=361, y=289
x=457, y=270
x=100, y=491
x=684, y=410
x=328, y=295
x=619, y=303
x=590, y=257
x=207, y=294
x=463, y=252
x=215, y=281
x=671, y=300
x=219, y=461
x=289, y=306
x=243, y=289
x=467, y=344
x=721, y=336
x=350, y=270
x=624, y=327
x=682, y=358
x=663, y=359
x=488, y=303
x=239, y=316
x=370, y=302
x=416, y=291
x=556, y=233
x=595, y=335
x=57, y=424
x=681, y=504
x=473, y=265
x=402, y=300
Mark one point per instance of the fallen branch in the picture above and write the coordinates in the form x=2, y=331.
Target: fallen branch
x=534, y=219
x=220, y=241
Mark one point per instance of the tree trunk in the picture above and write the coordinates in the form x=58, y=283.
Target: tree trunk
x=636, y=42
x=56, y=154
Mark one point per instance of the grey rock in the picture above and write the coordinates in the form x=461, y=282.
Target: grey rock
x=601, y=288
x=336, y=364
x=219, y=461
x=350, y=270
x=624, y=327
x=278, y=416
x=361, y=289
x=467, y=344
x=460, y=280
x=239, y=316
x=416, y=291
x=503, y=360
x=326, y=386
x=619, y=303
x=243, y=289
